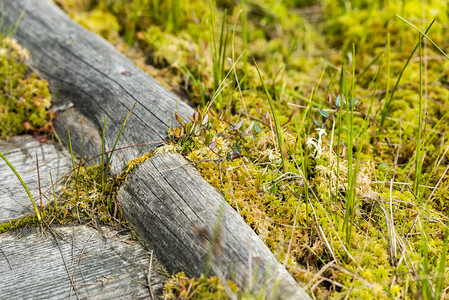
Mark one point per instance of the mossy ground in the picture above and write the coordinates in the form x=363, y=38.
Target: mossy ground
x=373, y=226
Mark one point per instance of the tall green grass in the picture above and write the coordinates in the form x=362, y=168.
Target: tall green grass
x=218, y=51
x=430, y=284
x=174, y=16
x=102, y=164
x=277, y=125
x=245, y=45
x=75, y=174
x=138, y=9
x=419, y=136
x=386, y=109
x=352, y=172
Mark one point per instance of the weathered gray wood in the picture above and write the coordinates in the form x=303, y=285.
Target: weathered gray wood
x=36, y=265
x=21, y=153
x=174, y=209
x=84, y=69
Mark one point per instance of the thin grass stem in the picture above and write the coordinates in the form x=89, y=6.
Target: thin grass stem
x=418, y=157
x=424, y=35
x=352, y=172
x=39, y=186
x=280, y=137
x=119, y=134
x=245, y=45
x=24, y=186
x=103, y=167
x=54, y=192
x=386, y=108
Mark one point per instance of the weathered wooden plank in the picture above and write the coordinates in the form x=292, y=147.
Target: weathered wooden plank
x=84, y=69
x=174, y=209
x=21, y=153
x=43, y=265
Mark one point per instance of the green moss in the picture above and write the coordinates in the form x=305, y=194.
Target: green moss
x=131, y=165
x=19, y=223
x=24, y=97
x=100, y=22
x=180, y=286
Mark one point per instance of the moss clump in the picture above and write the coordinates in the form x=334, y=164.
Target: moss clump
x=88, y=196
x=19, y=223
x=100, y=22
x=180, y=286
x=131, y=165
x=24, y=97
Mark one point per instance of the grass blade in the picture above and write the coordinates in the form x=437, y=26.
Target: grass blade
x=442, y=266
x=245, y=46
x=386, y=108
x=119, y=134
x=424, y=34
x=71, y=152
x=352, y=172
x=277, y=125
x=54, y=192
x=24, y=186
x=75, y=174
x=39, y=185
x=102, y=153
x=418, y=165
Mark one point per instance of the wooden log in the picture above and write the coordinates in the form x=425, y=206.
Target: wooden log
x=84, y=69
x=76, y=263
x=21, y=153
x=175, y=210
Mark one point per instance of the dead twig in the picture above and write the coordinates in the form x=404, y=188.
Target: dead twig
x=7, y=260
x=77, y=263
x=149, y=276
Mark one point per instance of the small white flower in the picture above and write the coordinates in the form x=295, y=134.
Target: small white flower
x=311, y=143
x=321, y=132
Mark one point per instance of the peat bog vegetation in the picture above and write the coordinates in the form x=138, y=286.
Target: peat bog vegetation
x=322, y=122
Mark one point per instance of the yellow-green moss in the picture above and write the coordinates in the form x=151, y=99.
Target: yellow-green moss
x=18, y=223
x=24, y=97
x=179, y=286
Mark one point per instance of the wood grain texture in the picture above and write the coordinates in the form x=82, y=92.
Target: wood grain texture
x=84, y=69
x=21, y=153
x=175, y=210
x=42, y=265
